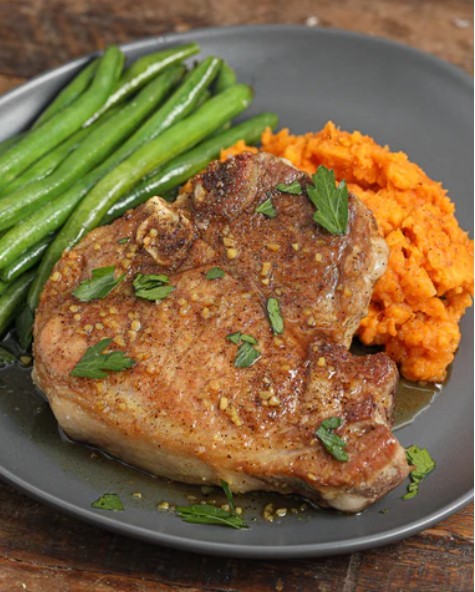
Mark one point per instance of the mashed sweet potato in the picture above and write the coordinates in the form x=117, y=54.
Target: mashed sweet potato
x=418, y=303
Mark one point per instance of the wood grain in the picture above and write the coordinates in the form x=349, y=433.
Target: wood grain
x=42, y=550
x=38, y=34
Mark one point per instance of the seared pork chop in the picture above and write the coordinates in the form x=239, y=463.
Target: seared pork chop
x=185, y=411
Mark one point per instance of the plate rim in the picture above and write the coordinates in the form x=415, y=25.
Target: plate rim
x=167, y=38
x=238, y=550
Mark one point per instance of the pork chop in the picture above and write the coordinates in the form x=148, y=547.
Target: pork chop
x=185, y=411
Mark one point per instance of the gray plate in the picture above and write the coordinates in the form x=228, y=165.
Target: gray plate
x=401, y=97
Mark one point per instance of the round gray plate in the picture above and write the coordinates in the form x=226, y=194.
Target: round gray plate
x=401, y=97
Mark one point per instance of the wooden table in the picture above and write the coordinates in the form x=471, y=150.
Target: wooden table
x=43, y=551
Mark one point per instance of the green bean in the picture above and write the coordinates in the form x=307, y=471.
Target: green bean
x=51, y=160
x=26, y=261
x=11, y=141
x=182, y=102
x=24, y=321
x=206, y=96
x=55, y=213
x=223, y=128
x=47, y=163
x=3, y=287
x=97, y=145
x=12, y=299
x=177, y=139
x=143, y=70
x=186, y=165
x=225, y=79
x=64, y=123
x=44, y=221
x=69, y=93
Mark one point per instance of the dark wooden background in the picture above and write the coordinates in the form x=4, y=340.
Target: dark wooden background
x=43, y=551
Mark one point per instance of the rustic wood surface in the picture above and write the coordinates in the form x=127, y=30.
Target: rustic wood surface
x=42, y=550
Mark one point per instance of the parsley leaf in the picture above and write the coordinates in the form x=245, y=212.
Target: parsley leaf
x=275, y=316
x=146, y=282
x=247, y=354
x=234, y=337
x=424, y=464
x=101, y=284
x=123, y=241
x=333, y=443
x=293, y=188
x=267, y=208
x=108, y=501
x=331, y=201
x=248, y=339
x=229, y=496
x=237, y=337
x=207, y=514
x=152, y=286
x=215, y=273
x=94, y=363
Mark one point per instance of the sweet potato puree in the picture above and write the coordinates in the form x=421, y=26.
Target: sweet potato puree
x=418, y=303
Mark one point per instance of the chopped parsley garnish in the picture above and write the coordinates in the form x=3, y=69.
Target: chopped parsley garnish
x=123, y=241
x=267, y=208
x=247, y=354
x=229, y=496
x=108, y=501
x=152, y=286
x=234, y=337
x=101, y=283
x=293, y=188
x=423, y=463
x=275, y=316
x=208, y=514
x=94, y=363
x=215, y=273
x=330, y=200
x=237, y=337
x=333, y=443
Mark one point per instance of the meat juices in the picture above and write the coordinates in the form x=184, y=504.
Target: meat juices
x=185, y=411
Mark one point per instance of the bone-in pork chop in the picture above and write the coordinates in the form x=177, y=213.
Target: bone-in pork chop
x=185, y=411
